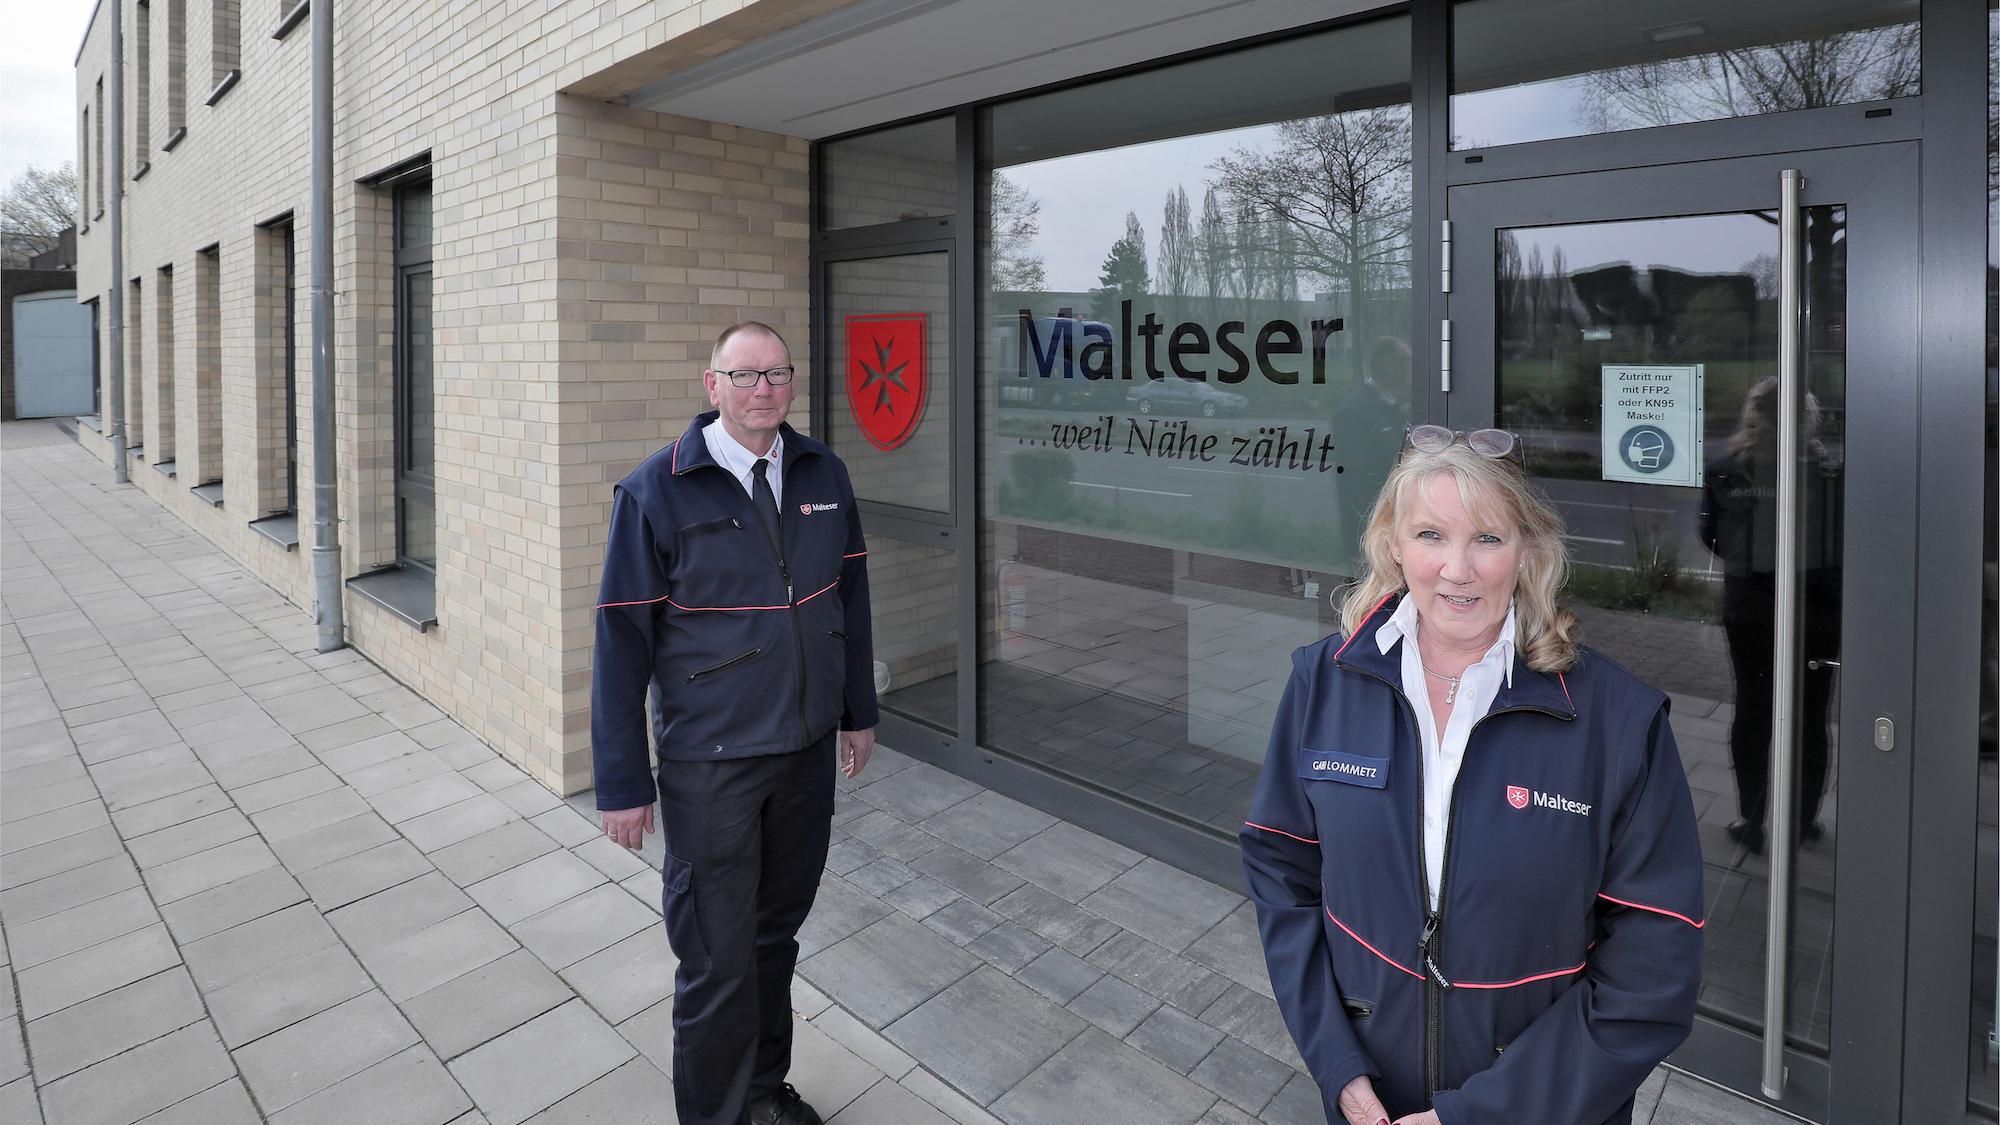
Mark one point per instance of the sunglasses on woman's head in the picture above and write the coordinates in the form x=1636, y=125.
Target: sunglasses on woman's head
x=1487, y=443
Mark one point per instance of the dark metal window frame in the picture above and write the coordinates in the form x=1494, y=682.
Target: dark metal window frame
x=412, y=482
x=1949, y=121
x=283, y=228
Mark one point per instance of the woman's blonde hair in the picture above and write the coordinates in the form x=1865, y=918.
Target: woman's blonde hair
x=1547, y=634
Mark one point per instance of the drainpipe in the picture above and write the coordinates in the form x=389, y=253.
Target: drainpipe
x=117, y=127
x=326, y=489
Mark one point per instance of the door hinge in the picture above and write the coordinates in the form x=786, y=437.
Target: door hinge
x=1444, y=356
x=1444, y=258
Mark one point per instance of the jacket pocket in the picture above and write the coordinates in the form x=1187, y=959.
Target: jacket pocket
x=836, y=634
x=729, y=663
x=1357, y=1009
x=677, y=907
x=692, y=530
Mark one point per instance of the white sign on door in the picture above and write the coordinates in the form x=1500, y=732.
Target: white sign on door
x=1651, y=423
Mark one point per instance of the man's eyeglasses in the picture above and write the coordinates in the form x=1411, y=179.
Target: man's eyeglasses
x=1495, y=444
x=776, y=376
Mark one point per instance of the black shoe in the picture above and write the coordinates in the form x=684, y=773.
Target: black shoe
x=1751, y=836
x=781, y=1106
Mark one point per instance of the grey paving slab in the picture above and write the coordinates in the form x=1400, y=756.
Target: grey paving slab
x=917, y=791
x=627, y=978
x=357, y=876
x=491, y=852
x=839, y=911
x=397, y=773
x=419, y=962
x=985, y=824
x=336, y=841
x=147, y=1078
x=1163, y=904
x=1059, y=975
x=534, y=886
x=651, y=1033
x=19, y=800
x=95, y=970
x=189, y=838
x=310, y=813
x=1172, y=978
x=942, y=1097
x=357, y=743
x=637, y=1093
x=13, y=1052
x=617, y=863
x=403, y=909
x=408, y=1088
x=231, y=904
x=921, y=897
x=975, y=878
x=566, y=826
x=1234, y=949
x=190, y=875
x=1055, y=919
x=1687, y=1101
x=1096, y=1078
x=31, y=831
x=894, y=837
x=594, y=920
x=540, y=1063
x=529, y=798
x=886, y=1103
x=57, y=856
x=226, y=1103
x=1068, y=861
x=1299, y=1103
x=1008, y=947
x=826, y=1074
x=1254, y=1019
x=467, y=818
x=285, y=993
x=285, y=788
x=408, y=802
x=313, y=709
x=168, y=811
x=984, y=1033
x=1245, y=1076
x=1114, y=1005
x=962, y=921
x=250, y=948
x=79, y=927
x=485, y=1003
x=1178, y=1040
x=887, y=969
x=265, y=771
x=290, y=1065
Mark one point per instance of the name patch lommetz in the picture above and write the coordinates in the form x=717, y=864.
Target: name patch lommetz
x=1353, y=769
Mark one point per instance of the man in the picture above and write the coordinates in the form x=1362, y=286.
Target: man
x=735, y=589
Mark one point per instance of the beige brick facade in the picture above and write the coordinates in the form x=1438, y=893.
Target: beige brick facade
x=585, y=255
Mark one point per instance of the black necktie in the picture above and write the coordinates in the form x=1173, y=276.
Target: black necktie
x=763, y=499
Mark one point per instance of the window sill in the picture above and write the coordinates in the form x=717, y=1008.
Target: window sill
x=223, y=87
x=166, y=467
x=138, y=451
x=282, y=529
x=408, y=593
x=174, y=138
x=292, y=19
x=93, y=421
x=211, y=493
x=144, y=167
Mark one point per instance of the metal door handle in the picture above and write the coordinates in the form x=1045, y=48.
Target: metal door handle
x=1816, y=665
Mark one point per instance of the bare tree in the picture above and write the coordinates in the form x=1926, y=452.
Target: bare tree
x=1175, y=272
x=33, y=212
x=1016, y=223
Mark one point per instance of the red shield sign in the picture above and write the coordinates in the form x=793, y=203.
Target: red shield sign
x=885, y=375
x=1517, y=796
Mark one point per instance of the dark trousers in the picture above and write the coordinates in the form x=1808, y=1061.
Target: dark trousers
x=1748, y=618
x=746, y=840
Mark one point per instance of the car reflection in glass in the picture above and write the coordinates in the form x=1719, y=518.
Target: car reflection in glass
x=1184, y=396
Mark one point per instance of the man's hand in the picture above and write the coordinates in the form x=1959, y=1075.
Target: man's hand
x=628, y=828
x=1360, y=1106
x=854, y=749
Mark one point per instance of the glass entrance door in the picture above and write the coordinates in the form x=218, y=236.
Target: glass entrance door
x=1635, y=329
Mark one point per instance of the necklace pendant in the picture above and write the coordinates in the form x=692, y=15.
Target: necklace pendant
x=1451, y=693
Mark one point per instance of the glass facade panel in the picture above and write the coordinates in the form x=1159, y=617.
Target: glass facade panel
x=1676, y=583
x=1983, y=1042
x=1194, y=373
x=1529, y=70
x=889, y=355
x=913, y=591
x=908, y=172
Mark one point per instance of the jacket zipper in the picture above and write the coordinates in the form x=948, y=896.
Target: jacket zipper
x=791, y=611
x=729, y=663
x=1430, y=944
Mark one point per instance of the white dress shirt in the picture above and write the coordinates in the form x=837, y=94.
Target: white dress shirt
x=1444, y=753
x=730, y=454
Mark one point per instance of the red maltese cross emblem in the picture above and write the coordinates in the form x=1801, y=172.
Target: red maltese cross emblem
x=885, y=375
x=1517, y=796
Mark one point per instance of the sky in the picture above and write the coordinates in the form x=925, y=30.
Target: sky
x=38, y=83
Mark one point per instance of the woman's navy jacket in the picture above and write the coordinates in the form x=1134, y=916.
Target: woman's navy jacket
x=1563, y=962
x=747, y=652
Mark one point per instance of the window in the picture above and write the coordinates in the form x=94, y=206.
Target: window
x=142, y=86
x=135, y=368
x=207, y=400
x=277, y=370
x=1527, y=70
x=177, y=65
x=416, y=460
x=162, y=427
x=1194, y=350
x=222, y=48
x=103, y=164
x=908, y=172
x=83, y=174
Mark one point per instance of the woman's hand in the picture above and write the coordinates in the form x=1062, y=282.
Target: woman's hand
x=1427, y=1117
x=1360, y=1106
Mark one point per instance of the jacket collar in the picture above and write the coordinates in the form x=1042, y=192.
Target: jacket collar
x=691, y=450
x=1526, y=689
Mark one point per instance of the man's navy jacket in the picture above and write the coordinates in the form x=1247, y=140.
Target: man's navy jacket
x=1563, y=962
x=747, y=650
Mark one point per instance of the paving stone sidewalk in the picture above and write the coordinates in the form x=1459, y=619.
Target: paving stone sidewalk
x=244, y=881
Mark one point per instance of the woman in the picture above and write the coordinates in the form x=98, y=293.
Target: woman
x=1472, y=848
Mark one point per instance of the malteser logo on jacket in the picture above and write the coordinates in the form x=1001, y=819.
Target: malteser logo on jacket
x=809, y=509
x=1519, y=797
x=885, y=375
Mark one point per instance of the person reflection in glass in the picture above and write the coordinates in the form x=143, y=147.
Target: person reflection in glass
x=1739, y=522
